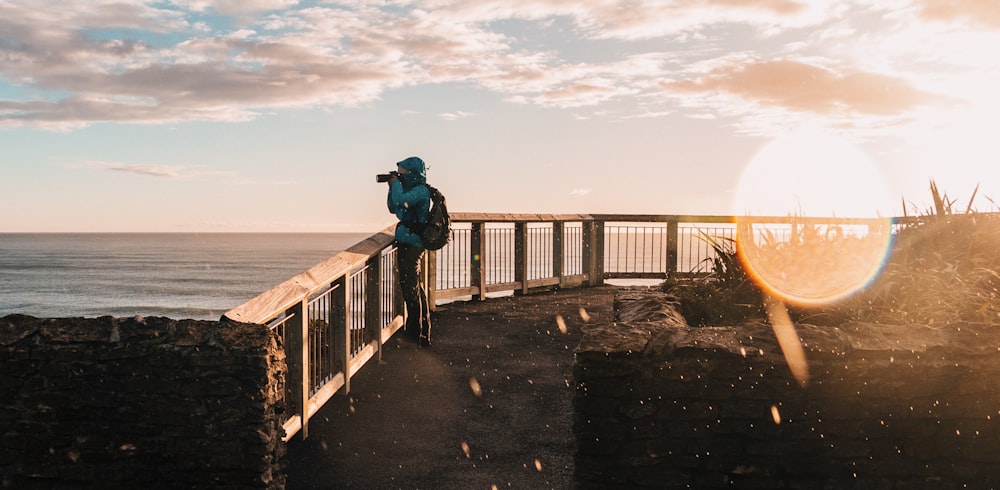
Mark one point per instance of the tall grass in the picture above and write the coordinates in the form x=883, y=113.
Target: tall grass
x=727, y=296
x=943, y=267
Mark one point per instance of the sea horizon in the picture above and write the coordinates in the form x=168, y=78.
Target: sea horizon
x=180, y=275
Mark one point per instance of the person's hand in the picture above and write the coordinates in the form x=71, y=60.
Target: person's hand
x=392, y=179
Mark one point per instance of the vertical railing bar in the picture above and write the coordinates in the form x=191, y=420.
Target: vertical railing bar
x=342, y=318
x=614, y=230
x=628, y=245
x=629, y=252
x=635, y=250
x=646, y=233
x=521, y=255
x=672, y=252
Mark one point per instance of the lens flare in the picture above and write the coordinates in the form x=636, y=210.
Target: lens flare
x=804, y=257
x=812, y=264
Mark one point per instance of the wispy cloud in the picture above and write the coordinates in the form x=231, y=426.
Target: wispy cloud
x=166, y=171
x=454, y=116
x=580, y=192
x=170, y=172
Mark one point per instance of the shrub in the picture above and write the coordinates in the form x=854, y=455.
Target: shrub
x=727, y=296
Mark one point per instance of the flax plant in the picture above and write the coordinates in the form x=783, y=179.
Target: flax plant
x=944, y=267
x=726, y=296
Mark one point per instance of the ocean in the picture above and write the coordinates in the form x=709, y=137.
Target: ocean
x=176, y=275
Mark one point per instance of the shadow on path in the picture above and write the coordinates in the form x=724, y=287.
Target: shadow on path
x=410, y=420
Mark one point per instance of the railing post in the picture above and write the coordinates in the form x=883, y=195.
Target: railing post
x=430, y=265
x=593, y=251
x=342, y=335
x=373, y=303
x=398, y=304
x=672, y=246
x=521, y=256
x=477, y=259
x=599, y=256
x=558, y=229
x=297, y=351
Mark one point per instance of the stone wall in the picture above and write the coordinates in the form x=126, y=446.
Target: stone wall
x=154, y=402
x=663, y=405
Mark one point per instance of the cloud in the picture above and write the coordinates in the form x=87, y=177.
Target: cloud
x=231, y=7
x=982, y=13
x=580, y=192
x=167, y=171
x=454, y=116
x=805, y=87
x=173, y=172
x=154, y=62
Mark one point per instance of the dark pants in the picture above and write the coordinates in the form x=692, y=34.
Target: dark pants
x=418, y=312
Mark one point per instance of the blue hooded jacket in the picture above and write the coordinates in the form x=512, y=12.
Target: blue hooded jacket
x=410, y=200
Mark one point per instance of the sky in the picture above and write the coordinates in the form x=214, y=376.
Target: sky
x=276, y=115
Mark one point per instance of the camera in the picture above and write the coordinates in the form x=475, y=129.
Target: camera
x=386, y=177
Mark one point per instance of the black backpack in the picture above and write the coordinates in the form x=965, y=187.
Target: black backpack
x=436, y=232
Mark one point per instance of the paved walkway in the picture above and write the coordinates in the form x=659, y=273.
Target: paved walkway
x=489, y=404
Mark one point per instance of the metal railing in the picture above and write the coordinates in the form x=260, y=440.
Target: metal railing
x=335, y=317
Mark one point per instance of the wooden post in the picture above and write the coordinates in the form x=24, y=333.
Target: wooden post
x=430, y=262
x=671, y=247
x=477, y=259
x=342, y=327
x=593, y=252
x=599, y=256
x=373, y=303
x=558, y=229
x=297, y=351
x=587, y=250
x=521, y=256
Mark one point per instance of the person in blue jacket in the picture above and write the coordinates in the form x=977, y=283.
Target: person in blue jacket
x=410, y=200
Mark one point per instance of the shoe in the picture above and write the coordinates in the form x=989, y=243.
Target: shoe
x=425, y=335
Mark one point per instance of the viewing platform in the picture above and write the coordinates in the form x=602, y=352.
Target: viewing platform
x=540, y=375
x=416, y=420
x=338, y=315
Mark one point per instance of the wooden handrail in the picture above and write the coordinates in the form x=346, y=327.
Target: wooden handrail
x=662, y=218
x=525, y=217
x=283, y=296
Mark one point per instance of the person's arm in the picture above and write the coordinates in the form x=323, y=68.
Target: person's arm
x=390, y=202
x=407, y=200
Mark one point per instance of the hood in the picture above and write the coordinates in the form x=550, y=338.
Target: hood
x=418, y=171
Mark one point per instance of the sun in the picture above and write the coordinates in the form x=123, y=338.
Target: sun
x=812, y=173
x=808, y=177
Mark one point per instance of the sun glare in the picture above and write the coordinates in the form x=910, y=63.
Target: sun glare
x=811, y=173
x=809, y=258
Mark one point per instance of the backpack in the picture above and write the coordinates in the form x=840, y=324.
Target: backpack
x=436, y=232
